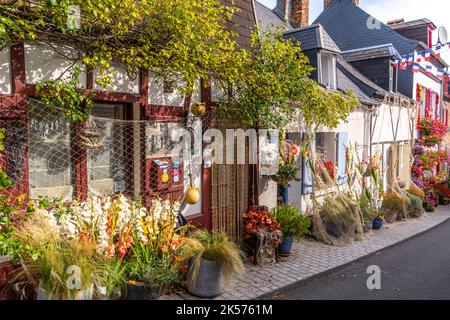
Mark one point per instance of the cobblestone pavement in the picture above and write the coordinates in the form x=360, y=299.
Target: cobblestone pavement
x=312, y=258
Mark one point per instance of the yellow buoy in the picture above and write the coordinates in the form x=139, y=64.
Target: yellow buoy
x=192, y=196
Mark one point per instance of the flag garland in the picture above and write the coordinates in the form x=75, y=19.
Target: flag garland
x=422, y=56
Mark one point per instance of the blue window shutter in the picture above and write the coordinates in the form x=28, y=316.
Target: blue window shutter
x=342, y=144
x=307, y=176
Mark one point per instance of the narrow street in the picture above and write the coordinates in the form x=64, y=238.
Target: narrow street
x=416, y=269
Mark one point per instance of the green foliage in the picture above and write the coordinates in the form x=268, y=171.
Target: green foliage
x=151, y=266
x=183, y=38
x=4, y=181
x=214, y=247
x=276, y=88
x=66, y=96
x=368, y=210
x=292, y=222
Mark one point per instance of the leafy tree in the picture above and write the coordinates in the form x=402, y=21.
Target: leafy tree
x=183, y=38
x=276, y=89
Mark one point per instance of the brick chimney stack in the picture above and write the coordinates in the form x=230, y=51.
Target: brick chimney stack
x=299, y=12
x=327, y=3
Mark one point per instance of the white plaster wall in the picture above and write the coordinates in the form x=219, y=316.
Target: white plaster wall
x=426, y=81
x=121, y=81
x=157, y=96
x=384, y=128
x=5, y=71
x=217, y=93
x=43, y=63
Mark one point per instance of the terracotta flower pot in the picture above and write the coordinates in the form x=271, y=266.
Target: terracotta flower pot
x=390, y=216
x=7, y=269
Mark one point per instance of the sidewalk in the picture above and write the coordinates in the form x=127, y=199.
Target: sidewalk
x=312, y=258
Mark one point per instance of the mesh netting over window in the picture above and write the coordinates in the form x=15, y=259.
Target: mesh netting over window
x=48, y=155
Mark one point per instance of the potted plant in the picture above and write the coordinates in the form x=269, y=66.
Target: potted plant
x=368, y=212
x=293, y=225
x=151, y=271
x=393, y=205
x=212, y=259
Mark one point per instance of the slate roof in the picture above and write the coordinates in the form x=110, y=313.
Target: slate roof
x=243, y=20
x=348, y=25
x=387, y=50
x=268, y=18
x=313, y=37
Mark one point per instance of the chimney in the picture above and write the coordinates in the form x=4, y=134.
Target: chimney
x=299, y=13
x=327, y=3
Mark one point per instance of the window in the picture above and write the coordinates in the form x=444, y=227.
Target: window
x=393, y=78
x=327, y=70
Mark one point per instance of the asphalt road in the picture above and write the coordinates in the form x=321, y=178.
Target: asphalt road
x=417, y=269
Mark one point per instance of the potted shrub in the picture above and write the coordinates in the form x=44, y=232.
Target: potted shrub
x=293, y=224
x=415, y=206
x=212, y=259
x=393, y=205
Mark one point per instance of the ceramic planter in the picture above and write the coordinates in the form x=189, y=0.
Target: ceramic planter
x=286, y=246
x=140, y=291
x=88, y=294
x=209, y=282
x=377, y=224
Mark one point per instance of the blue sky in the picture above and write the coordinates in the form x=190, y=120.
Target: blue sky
x=436, y=10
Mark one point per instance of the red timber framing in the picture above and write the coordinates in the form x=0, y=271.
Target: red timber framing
x=21, y=90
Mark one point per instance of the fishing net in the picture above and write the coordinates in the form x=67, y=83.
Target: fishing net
x=110, y=153
x=338, y=214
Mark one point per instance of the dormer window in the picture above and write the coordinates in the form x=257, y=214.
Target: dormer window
x=327, y=70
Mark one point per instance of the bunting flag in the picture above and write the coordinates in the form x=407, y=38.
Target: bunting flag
x=429, y=70
x=440, y=73
x=395, y=65
x=416, y=67
x=419, y=56
x=428, y=55
x=403, y=63
x=410, y=59
x=437, y=52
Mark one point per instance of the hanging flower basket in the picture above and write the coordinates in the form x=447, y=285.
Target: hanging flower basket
x=90, y=138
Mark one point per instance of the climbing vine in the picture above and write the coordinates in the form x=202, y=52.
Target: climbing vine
x=277, y=89
x=66, y=96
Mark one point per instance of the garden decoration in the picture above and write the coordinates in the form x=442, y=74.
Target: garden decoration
x=90, y=137
x=212, y=259
x=288, y=167
x=293, y=225
x=262, y=235
x=338, y=218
